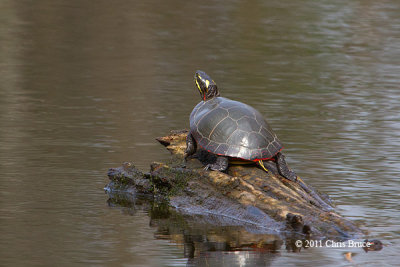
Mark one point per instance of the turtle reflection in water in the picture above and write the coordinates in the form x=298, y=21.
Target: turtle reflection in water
x=232, y=130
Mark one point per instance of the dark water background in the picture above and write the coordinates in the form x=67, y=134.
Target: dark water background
x=87, y=85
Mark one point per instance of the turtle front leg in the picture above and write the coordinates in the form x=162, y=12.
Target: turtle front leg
x=191, y=146
x=283, y=168
x=221, y=164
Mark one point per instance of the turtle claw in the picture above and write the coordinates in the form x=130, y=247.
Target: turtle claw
x=186, y=156
x=221, y=164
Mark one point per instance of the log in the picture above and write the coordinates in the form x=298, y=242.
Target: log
x=245, y=194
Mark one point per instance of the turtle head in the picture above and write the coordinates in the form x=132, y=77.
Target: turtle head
x=207, y=87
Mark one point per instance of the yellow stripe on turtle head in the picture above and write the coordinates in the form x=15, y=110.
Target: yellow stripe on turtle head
x=207, y=83
x=198, y=86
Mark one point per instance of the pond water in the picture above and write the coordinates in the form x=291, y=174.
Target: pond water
x=86, y=86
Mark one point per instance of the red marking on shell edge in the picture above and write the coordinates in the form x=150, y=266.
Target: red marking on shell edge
x=255, y=160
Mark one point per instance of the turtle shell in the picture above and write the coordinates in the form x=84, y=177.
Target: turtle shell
x=231, y=128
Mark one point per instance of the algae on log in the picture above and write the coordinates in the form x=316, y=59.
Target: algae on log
x=246, y=193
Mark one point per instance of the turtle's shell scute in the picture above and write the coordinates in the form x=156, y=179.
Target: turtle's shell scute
x=231, y=128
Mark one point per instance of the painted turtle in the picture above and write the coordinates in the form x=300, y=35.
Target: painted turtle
x=232, y=130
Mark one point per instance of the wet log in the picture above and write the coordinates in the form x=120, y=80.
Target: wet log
x=246, y=193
